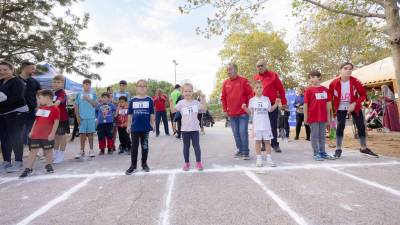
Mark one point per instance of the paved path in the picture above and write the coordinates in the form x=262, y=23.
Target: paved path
x=353, y=190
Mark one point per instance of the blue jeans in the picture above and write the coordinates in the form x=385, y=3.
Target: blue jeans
x=240, y=126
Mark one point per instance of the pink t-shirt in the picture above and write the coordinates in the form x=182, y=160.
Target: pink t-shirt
x=189, y=111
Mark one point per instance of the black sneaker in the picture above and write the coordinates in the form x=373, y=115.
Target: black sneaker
x=246, y=157
x=101, y=152
x=49, y=168
x=121, y=151
x=131, y=170
x=296, y=138
x=110, y=151
x=338, y=153
x=368, y=152
x=277, y=149
x=27, y=172
x=237, y=155
x=145, y=168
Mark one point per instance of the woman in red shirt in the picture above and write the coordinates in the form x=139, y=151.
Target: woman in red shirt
x=160, y=100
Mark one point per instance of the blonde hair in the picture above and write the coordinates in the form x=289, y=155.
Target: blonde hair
x=187, y=85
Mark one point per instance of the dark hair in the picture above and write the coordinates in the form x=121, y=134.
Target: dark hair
x=123, y=82
x=45, y=92
x=177, y=86
x=124, y=98
x=345, y=64
x=109, y=88
x=86, y=81
x=105, y=94
x=59, y=78
x=26, y=63
x=8, y=64
x=314, y=73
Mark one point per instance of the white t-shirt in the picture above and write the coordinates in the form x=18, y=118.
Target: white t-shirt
x=345, y=96
x=189, y=111
x=260, y=107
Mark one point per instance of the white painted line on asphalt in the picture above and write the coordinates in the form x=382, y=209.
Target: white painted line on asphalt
x=282, y=204
x=54, y=202
x=212, y=170
x=368, y=182
x=164, y=215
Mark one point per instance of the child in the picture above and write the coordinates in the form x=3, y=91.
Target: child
x=189, y=109
x=43, y=131
x=60, y=100
x=105, y=118
x=85, y=111
x=283, y=123
x=141, y=121
x=259, y=107
x=317, y=114
x=122, y=123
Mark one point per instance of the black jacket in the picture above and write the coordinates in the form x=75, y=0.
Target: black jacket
x=31, y=88
x=14, y=89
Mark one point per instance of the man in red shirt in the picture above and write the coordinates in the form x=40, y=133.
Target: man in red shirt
x=273, y=89
x=236, y=91
x=160, y=100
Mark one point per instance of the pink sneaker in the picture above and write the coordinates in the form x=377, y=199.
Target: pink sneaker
x=186, y=167
x=199, y=166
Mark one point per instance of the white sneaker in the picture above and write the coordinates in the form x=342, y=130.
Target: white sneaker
x=59, y=158
x=91, y=153
x=270, y=162
x=259, y=162
x=80, y=155
x=55, y=154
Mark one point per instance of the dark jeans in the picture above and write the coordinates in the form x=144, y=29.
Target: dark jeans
x=240, y=126
x=105, y=136
x=193, y=136
x=161, y=116
x=299, y=123
x=341, y=124
x=273, y=118
x=124, y=138
x=11, y=131
x=30, y=119
x=143, y=139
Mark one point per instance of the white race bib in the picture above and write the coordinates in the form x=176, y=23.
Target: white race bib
x=43, y=113
x=123, y=111
x=89, y=95
x=140, y=105
x=189, y=110
x=321, y=96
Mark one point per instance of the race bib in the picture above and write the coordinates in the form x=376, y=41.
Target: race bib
x=140, y=105
x=190, y=110
x=88, y=95
x=43, y=113
x=123, y=111
x=321, y=96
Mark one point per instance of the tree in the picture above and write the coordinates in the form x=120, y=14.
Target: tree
x=30, y=30
x=322, y=32
x=385, y=12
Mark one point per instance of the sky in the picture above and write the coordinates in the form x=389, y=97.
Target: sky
x=147, y=35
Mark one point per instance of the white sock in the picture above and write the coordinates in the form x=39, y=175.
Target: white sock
x=269, y=157
x=259, y=157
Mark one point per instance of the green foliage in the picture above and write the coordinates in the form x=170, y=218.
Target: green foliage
x=29, y=30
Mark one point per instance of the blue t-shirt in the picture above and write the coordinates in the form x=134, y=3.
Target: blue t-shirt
x=105, y=113
x=118, y=94
x=86, y=110
x=141, y=109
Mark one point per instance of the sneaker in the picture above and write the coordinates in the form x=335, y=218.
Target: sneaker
x=101, y=152
x=15, y=168
x=324, y=155
x=186, y=167
x=296, y=138
x=277, y=149
x=271, y=163
x=368, y=152
x=259, y=162
x=121, y=151
x=131, y=170
x=27, y=172
x=4, y=166
x=308, y=139
x=338, y=153
x=237, y=155
x=318, y=158
x=245, y=156
x=199, y=166
x=91, y=153
x=80, y=155
x=146, y=168
x=110, y=151
x=49, y=168
x=59, y=158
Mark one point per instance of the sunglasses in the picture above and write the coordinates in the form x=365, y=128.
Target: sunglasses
x=260, y=66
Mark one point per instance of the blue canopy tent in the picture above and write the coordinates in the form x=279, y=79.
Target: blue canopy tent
x=46, y=79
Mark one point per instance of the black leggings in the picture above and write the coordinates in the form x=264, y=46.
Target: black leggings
x=11, y=135
x=358, y=119
x=143, y=138
x=299, y=123
x=194, y=136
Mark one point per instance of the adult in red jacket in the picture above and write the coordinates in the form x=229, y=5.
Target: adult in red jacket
x=160, y=103
x=236, y=91
x=347, y=94
x=272, y=88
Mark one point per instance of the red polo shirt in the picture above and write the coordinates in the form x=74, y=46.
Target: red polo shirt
x=235, y=93
x=272, y=86
x=159, y=103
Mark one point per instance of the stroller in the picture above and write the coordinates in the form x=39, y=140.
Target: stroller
x=373, y=118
